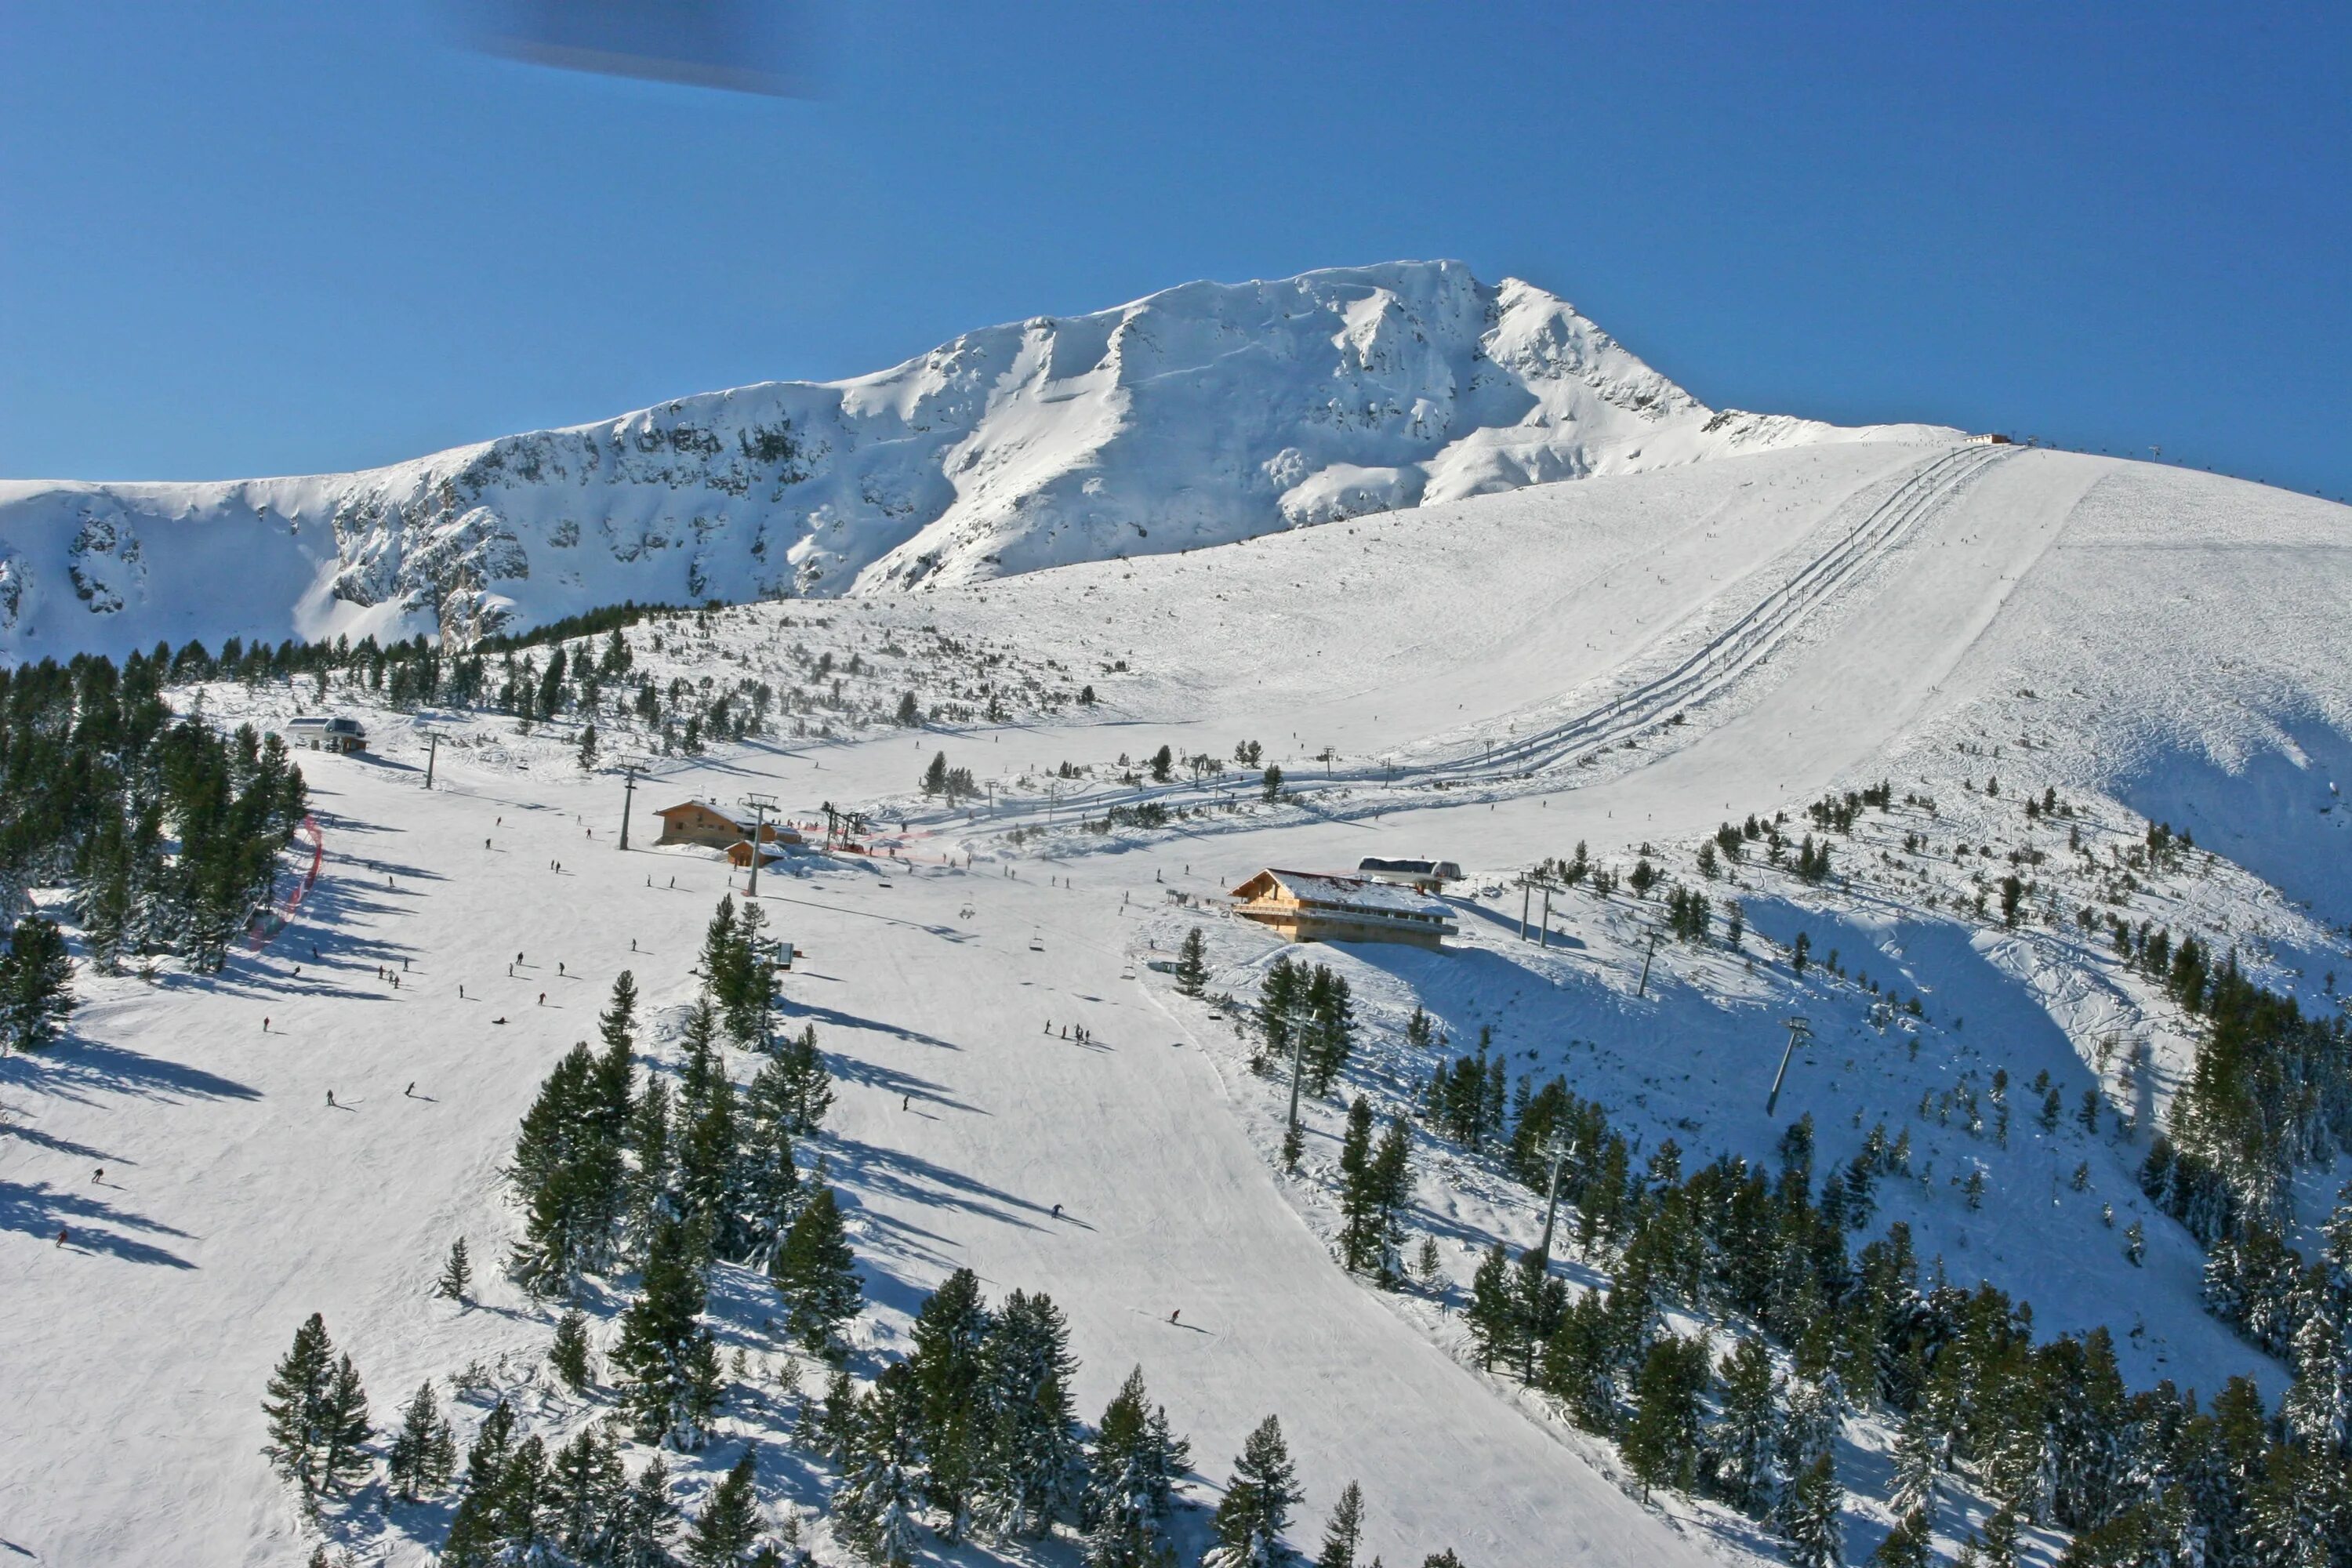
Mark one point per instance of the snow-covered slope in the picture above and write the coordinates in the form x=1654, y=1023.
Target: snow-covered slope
x=1200, y=415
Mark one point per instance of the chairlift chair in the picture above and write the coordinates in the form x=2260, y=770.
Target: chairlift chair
x=1037, y=942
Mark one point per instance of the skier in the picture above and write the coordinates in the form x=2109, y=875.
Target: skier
x=330, y=1099
x=1172, y=1316
x=559, y=968
x=98, y=1175
x=902, y=1101
x=1057, y=1211
x=61, y=1236
x=461, y=991
x=518, y=958
x=1049, y=1025
x=265, y=1024
x=543, y=998
x=497, y=1020
x=633, y=940
x=486, y=844
x=410, y=1092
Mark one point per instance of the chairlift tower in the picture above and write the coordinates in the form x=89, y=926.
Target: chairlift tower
x=630, y=768
x=1797, y=1029
x=760, y=805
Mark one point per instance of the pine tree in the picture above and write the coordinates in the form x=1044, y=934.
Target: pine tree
x=874, y=1507
x=1192, y=965
x=424, y=1452
x=809, y=1087
x=569, y=1175
x=647, y=1519
x=1360, y=1232
x=649, y=1192
x=343, y=1430
x=569, y=1355
x=587, y=748
x=1029, y=1469
x=709, y=1169
x=1808, y=1518
x=1130, y=1477
x=816, y=1274
x=1662, y=1441
x=1256, y=1507
x=588, y=1493
x=1741, y=1448
x=1391, y=1181
x=473, y=1531
x=729, y=1522
x=768, y=1181
x=1493, y=1315
x=1341, y=1536
x=935, y=777
x=1910, y=1544
x=948, y=1360
x=296, y=1407
x=456, y=1281
x=617, y=1024
x=36, y=985
x=668, y=1367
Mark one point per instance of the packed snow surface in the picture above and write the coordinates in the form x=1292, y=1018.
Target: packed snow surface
x=1198, y=416
x=1625, y=662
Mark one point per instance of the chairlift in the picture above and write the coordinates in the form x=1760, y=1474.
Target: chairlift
x=1126, y=970
x=1037, y=942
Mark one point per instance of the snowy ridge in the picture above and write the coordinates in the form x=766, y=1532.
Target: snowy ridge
x=1202, y=414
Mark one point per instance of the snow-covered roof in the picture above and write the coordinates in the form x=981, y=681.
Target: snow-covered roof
x=717, y=811
x=1356, y=893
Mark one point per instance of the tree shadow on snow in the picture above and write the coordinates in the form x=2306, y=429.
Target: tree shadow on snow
x=79, y=1069
x=38, y=1209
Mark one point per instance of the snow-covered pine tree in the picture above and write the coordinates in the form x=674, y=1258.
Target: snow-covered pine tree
x=1741, y=1446
x=1346, y=1531
x=424, y=1451
x=816, y=1274
x=729, y=1522
x=1809, y=1517
x=769, y=1183
x=874, y=1507
x=948, y=1360
x=36, y=985
x=474, y=1530
x=1130, y=1480
x=1029, y=1469
x=649, y=1192
x=568, y=1356
x=1193, y=963
x=568, y=1173
x=588, y=1493
x=1910, y=1544
x=1493, y=1315
x=1392, y=1189
x=295, y=1408
x=668, y=1367
x=809, y=1087
x=1256, y=1506
x=647, y=1522
x=710, y=1168
x=456, y=1281
x=1331, y=1029
x=1360, y=1230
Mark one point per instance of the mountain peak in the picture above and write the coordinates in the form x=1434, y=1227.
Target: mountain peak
x=1200, y=414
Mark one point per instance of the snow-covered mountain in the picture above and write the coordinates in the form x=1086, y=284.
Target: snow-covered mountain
x=1200, y=415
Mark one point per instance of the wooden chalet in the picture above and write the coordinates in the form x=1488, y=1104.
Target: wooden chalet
x=700, y=822
x=1308, y=906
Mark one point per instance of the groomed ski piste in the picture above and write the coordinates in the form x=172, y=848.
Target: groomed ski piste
x=1622, y=662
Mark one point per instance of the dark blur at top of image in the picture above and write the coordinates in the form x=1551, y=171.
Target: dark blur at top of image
x=738, y=45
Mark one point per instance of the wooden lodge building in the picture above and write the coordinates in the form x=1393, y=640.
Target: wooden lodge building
x=1306, y=906
x=700, y=822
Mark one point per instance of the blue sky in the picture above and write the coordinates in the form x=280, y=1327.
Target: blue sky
x=277, y=237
